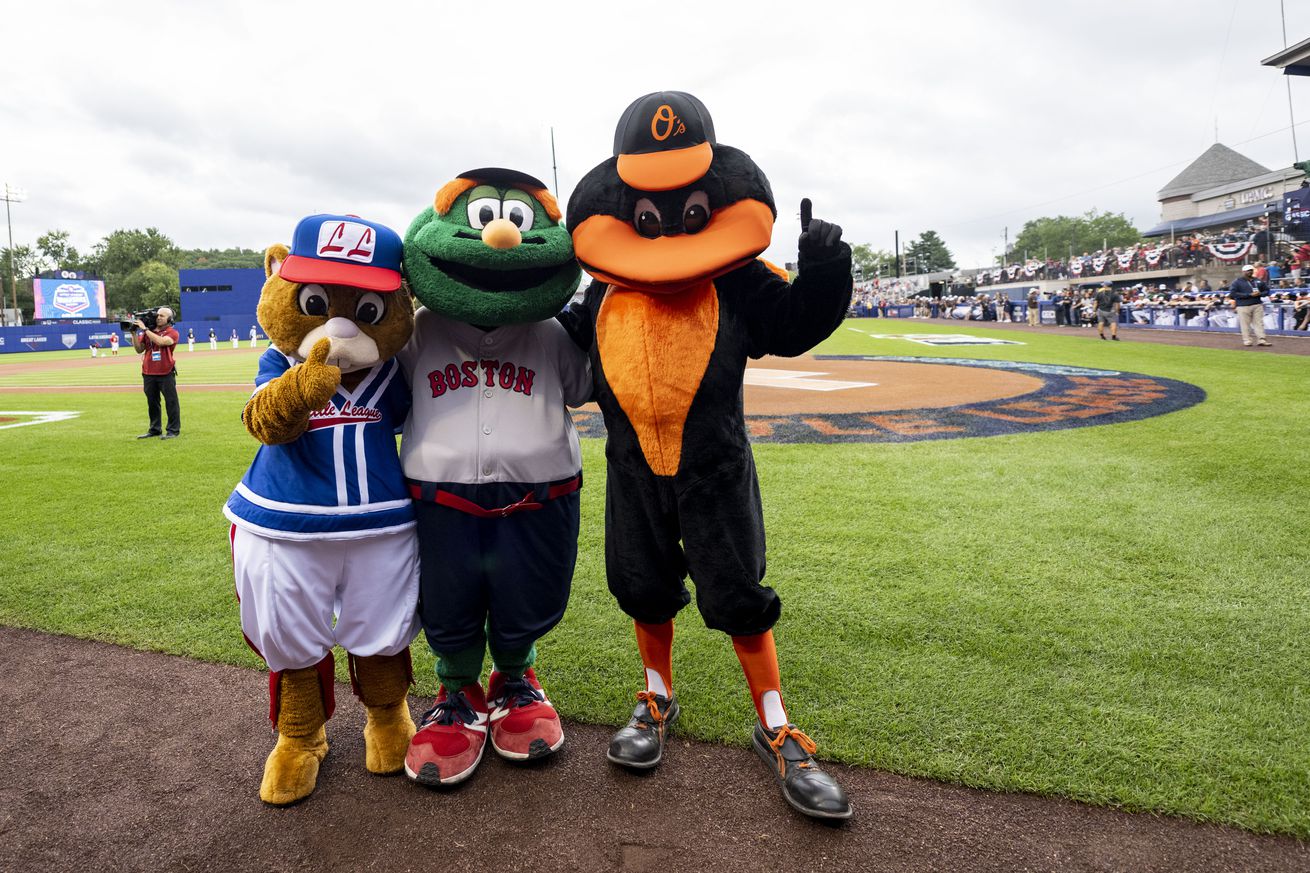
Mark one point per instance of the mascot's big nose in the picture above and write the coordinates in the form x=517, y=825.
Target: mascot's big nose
x=342, y=328
x=501, y=233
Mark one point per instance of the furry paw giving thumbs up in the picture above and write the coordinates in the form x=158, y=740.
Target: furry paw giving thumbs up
x=339, y=333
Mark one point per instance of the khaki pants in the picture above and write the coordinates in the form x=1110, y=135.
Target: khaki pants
x=1033, y=315
x=1251, y=318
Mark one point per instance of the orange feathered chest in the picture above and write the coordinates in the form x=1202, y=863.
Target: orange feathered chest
x=654, y=350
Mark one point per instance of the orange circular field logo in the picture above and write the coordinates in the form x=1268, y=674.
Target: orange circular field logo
x=889, y=398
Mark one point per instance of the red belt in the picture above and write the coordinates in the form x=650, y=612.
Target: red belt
x=532, y=500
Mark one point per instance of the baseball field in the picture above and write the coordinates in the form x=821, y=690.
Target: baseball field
x=1106, y=607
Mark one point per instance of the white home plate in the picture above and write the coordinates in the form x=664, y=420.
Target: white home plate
x=6, y=417
x=798, y=379
x=947, y=339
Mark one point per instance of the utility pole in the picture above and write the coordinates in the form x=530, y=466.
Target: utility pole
x=1296, y=154
x=898, y=254
x=12, y=195
x=553, y=167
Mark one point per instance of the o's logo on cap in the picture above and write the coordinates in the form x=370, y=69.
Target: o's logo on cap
x=346, y=240
x=662, y=123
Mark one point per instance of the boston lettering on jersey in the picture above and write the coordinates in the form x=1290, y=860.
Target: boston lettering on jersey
x=347, y=413
x=507, y=375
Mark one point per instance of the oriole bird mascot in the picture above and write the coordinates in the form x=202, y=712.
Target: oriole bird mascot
x=492, y=461
x=671, y=227
x=322, y=526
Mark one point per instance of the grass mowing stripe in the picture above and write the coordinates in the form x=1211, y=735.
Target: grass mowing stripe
x=1114, y=614
x=224, y=367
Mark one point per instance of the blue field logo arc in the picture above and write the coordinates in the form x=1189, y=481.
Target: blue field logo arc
x=1051, y=397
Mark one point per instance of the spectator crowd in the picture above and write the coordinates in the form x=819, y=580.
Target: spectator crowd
x=1192, y=305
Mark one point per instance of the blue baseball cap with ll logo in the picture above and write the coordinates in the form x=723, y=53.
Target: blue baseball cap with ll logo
x=344, y=250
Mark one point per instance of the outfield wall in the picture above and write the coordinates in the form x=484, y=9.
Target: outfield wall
x=221, y=300
x=57, y=337
x=216, y=295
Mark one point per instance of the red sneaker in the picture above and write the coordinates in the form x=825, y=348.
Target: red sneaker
x=524, y=725
x=451, y=738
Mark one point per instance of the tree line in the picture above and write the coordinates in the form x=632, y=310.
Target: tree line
x=1040, y=238
x=1062, y=235
x=927, y=254
x=139, y=267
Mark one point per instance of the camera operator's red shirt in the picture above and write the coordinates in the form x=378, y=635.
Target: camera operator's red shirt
x=164, y=354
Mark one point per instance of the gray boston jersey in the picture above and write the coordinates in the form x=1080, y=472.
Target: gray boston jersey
x=491, y=406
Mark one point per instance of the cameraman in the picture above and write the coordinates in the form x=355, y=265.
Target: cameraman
x=157, y=371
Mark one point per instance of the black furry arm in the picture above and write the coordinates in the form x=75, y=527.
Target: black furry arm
x=579, y=319
x=789, y=319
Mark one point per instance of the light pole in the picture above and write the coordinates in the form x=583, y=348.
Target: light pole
x=12, y=195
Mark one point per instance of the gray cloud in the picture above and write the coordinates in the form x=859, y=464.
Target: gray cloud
x=223, y=123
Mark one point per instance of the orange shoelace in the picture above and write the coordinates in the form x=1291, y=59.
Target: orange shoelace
x=653, y=707
x=803, y=741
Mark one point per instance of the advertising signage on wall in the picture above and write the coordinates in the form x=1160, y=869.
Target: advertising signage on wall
x=1256, y=195
x=1296, y=210
x=63, y=299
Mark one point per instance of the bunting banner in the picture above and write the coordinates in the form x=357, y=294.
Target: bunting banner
x=1229, y=251
x=1076, y=266
x=1125, y=260
x=1098, y=263
x=1030, y=268
x=1013, y=271
x=1153, y=256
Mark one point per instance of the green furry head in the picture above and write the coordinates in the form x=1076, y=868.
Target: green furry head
x=491, y=251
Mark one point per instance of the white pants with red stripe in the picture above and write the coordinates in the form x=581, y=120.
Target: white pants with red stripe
x=291, y=590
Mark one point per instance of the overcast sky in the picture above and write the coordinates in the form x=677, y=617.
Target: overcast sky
x=222, y=123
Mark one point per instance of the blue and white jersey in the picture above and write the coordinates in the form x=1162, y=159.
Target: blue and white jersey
x=341, y=478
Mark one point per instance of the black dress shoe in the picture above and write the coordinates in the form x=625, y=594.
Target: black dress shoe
x=788, y=753
x=640, y=744
x=150, y=434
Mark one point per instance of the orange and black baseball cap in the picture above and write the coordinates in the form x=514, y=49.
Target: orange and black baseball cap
x=665, y=140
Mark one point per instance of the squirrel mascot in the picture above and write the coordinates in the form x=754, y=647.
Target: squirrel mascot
x=322, y=526
x=671, y=227
x=492, y=461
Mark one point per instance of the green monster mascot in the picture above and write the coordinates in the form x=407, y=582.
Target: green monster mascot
x=491, y=460
x=671, y=228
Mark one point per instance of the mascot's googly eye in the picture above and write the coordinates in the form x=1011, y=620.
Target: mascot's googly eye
x=370, y=308
x=483, y=211
x=518, y=213
x=313, y=300
x=646, y=218
x=696, y=214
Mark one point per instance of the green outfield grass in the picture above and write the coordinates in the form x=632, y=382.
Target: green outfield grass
x=1115, y=614
x=226, y=366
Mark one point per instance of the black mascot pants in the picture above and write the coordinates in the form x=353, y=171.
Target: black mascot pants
x=167, y=386
x=659, y=529
x=502, y=581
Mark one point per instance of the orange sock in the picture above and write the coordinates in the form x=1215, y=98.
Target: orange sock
x=655, y=642
x=759, y=661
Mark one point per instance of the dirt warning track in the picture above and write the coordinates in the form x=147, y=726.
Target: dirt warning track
x=132, y=761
